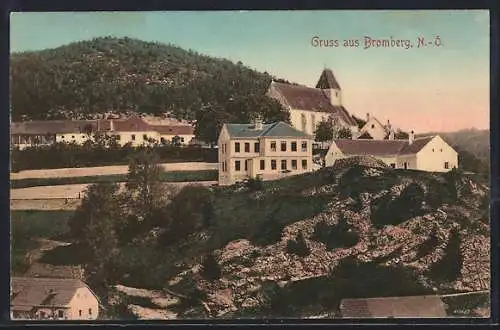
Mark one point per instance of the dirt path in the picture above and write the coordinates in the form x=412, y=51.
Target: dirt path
x=38, y=269
x=106, y=170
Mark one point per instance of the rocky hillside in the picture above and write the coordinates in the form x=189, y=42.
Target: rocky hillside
x=297, y=246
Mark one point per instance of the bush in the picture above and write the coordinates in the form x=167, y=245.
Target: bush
x=448, y=269
x=298, y=247
x=339, y=236
x=255, y=184
x=427, y=246
x=210, y=268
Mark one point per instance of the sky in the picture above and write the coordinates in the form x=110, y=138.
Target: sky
x=443, y=86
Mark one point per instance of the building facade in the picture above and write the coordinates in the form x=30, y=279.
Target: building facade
x=309, y=106
x=266, y=151
x=52, y=299
x=430, y=154
x=134, y=131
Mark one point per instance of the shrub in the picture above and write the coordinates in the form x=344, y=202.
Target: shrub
x=339, y=236
x=299, y=246
x=210, y=268
x=448, y=269
x=255, y=184
x=428, y=246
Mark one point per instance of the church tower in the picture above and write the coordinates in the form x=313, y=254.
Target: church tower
x=330, y=87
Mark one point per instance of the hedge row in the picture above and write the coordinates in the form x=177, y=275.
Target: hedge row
x=173, y=176
x=61, y=155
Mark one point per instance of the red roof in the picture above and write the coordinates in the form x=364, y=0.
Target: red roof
x=311, y=99
x=381, y=147
x=174, y=129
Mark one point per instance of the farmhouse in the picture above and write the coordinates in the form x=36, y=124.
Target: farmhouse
x=374, y=129
x=309, y=106
x=393, y=307
x=52, y=298
x=133, y=130
x=430, y=153
x=266, y=151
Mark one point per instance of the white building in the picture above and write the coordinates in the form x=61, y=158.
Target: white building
x=309, y=106
x=133, y=130
x=52, y=299
x=374, y=129
x=266, y=151
x=430, y=153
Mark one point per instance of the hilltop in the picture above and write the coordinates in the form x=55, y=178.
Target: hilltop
x=297, y=246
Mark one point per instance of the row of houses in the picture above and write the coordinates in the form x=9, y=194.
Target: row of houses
x=134, y=130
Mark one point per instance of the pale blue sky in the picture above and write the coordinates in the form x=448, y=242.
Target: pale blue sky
x=449, y=84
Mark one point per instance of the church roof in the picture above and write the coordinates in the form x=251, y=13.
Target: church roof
x=278, y=129
x=327, y=80
x=311, y=99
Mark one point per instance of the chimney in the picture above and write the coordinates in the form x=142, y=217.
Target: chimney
x=258, y=123
x=367, y=116
x=411, y=137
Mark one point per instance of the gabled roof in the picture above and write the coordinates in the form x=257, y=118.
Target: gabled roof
x=381, y=147
x=327, y=80
x=278, y=129
x=32, y=292
x=397, y=307
x=311, y=99
x=174, y=129
x=42, y=127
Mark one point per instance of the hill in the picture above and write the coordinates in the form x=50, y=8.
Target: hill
x=297, y=246
x=123, y=74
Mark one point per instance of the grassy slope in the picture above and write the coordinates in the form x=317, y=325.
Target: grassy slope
x=27, y=226
x=173, y=176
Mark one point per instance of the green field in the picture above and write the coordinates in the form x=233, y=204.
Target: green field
x=27, y=226
x=173, y=176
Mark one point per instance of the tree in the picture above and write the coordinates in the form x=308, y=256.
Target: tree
x=191, y=209
x=324, y=131
x=143, y=182
x=448, y=269
x=344, y=133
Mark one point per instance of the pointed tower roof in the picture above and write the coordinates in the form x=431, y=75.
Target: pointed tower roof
x=327, y=80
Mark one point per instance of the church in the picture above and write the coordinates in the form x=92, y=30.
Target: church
x=309, y=106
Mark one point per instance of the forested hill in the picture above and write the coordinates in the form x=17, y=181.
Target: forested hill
x=123, y=74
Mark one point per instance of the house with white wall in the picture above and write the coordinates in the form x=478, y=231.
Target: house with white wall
x=266, y=151
x=52, y=299
x=429, y=153
x=309, y=106
x=133, y=130
x=374, y=129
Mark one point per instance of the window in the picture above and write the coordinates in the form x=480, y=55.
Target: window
x=60, y=314
x=182, y=139
x=73, y=137
x=304, y=122
x=446, y=165
x=313, y=122
x=273, y=164
x=405, y=165
x=118, y=137
x=246, y=165
x=294, y=146
x=237, y=165
x=83, y=136
x=62, y=136
x=236, y=147
x=294, y=164
x=304, y=164
x=257, y=147
x=373, y=126
x=247, y=147
x=162, y=140
x=144, y=137
x=133, y=137
x=90, y=311
x=304, y=146
x=393, y=165
x=273, y=145
x=432, y=149
x=283, y=164
x=283, y=145
x=262, y=164
x=441, y=150
x=42, y=314
x=79, y=312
